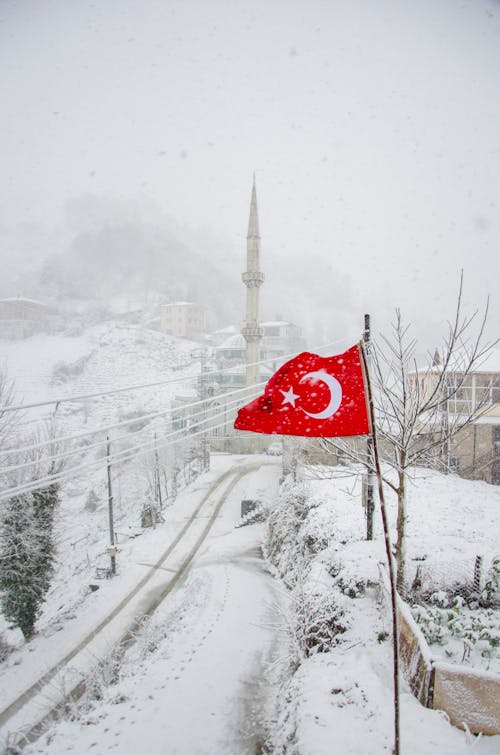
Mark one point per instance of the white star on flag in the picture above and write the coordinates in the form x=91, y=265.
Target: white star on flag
x=289, y=397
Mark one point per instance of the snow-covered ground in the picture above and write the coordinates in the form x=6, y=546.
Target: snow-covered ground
x=195, y=680
x=341, y=701
x=198, y=680
x=220, y=616
x=102, y=357
x=209, y=672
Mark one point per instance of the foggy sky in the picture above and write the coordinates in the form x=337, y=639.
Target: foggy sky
x=373, y=129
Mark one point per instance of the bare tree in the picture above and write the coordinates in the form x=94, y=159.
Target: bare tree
x=414, y=424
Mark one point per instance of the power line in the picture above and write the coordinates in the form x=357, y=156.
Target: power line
x=119, y=456
x=66, y=454
x=122, y=423
x=83, y=397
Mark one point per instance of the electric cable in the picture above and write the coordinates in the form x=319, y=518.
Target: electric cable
x=122, y=423
x=131, y=421
x=116, y=457
x=66, y=454
x=83, y=397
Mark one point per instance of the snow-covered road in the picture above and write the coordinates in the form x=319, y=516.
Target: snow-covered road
x=195, y=680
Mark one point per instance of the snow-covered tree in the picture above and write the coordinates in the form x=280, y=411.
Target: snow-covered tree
x=27, y=555
x=8, y=418
x=27, y=547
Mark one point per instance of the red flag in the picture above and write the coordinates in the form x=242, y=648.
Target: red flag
x=319, y=397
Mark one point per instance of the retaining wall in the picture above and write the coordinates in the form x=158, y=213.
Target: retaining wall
x=471, y=698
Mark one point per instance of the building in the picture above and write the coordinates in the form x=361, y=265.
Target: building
x=240, y=360
x=22, y=318
x=281, y=339
x=474, y=451
x=183, y=319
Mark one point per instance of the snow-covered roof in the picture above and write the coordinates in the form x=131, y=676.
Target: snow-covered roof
x=489, y=363
x=22, y=300
x=228, y=330
x=234, y=342
x=181, y=304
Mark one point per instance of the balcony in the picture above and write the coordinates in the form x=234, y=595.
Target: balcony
x=252, y=278
x=252, y=332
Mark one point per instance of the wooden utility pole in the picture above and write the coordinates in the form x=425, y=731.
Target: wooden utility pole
x=369, y=446
x=390, y=559
x=157, y=479
x=112, y=548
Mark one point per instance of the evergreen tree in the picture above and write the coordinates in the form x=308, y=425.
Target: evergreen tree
x=27, y=556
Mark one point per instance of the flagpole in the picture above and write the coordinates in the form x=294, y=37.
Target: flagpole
x=388, y=550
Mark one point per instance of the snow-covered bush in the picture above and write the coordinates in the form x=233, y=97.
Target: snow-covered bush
x=467, y=634
x=490, y=594
x=298, y=533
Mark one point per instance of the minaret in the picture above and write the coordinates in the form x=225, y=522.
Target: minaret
x=252, y=279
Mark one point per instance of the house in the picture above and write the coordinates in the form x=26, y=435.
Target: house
x=22, y=318
x=183, y=319
x=474, y=451
x=281, y=339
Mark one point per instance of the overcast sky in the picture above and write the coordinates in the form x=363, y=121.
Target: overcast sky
x=373, y=127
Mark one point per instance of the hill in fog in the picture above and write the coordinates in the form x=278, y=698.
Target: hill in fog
x=113, y=251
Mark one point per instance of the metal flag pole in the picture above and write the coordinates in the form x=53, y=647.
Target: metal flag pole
x=388, y=550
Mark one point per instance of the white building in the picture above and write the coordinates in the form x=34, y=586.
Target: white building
x=183, y=319
x=21, y=318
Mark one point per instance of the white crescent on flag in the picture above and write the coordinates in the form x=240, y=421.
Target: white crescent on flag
x=335, y=393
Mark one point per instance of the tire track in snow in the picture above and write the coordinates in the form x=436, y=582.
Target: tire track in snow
x=128, y=637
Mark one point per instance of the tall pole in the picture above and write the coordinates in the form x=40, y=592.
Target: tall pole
x=390, y=558
x=369, y=445
x=157, y=479
x=112, y=550
x=205, y=442
x=445, y=428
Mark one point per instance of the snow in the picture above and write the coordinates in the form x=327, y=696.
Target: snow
x=210, y=670
x=488, y=363
x=235, y=341
x=196, y=680
x=211, y=641
x=46, y=367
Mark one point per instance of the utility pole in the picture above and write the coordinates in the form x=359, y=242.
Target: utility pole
x=369, y=446
x=205, y=443
x=112, y=548
x=445, y=427
x=157, y=479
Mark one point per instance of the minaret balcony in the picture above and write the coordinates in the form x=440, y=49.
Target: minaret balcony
x=252, y=278
x=252, y=333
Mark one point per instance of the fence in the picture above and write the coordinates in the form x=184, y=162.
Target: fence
x=469, y=697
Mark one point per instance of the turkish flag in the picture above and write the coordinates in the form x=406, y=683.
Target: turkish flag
x=319, y=397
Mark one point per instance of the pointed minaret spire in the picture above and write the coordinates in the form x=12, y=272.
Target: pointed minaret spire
x=253, y=221
x=253, y=279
